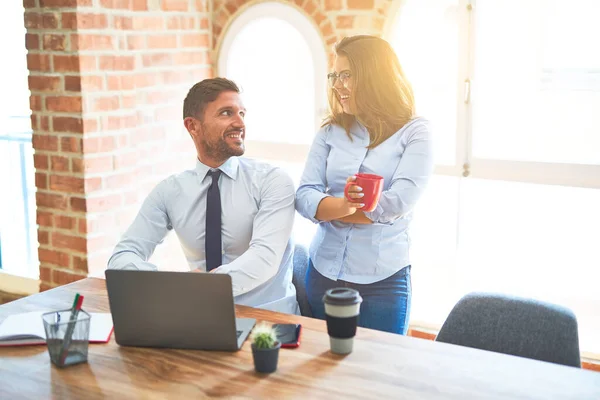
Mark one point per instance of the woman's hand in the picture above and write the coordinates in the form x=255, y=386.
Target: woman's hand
x=354, y=192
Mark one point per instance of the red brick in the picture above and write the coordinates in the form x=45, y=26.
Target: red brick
x=44, y=83
x=136, y=42
x=139, y=5
x=44, y=218
x=126, y=160
x=38, y=62
x=299, y=3
x=88, y=63
x=64, y=3
x=64, y=63
x=117, y=63
x=194, y=40
x=64, y=103
x=41, y=180
x=98, y=164
x=49, y=21
x=78, y=204
x=75, y=243
x=99, y=144
x=33, y=20
x=69, y=184
x=32, y=41
x=181, y=22
x=157, y=59
x=109, y=103
x=331, y=5
x=50, y=200
x=327, y=29
x=77, y=165
x=175, y=5
x=29, y=4
x=45, y=123
x=344, y=21
x=84, y=21
x=104, y=203
x=80, y=264
x=72, y=83
x=162, y=41
x=142, y=80
x=67, y=124
x=319, y=17
x=118, y=82
x=361, y=4
x=40, y=161
x=92, y=42
x=43, y=237
x=63, y=277
x=189, y=58
x=204, y=24
x=54, y=257
x=310, y=7
x=35, y=103
x=123, y=23
x=70, y=144
x=116, y=4
x=93, y=185
x=90, y=125
x=120, y=181
x=59, y=163
x=92, y=83
x=45, y=142
x=65, y=222
x=148, y=23
x=45, y=272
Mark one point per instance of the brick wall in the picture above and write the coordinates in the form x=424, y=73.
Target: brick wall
x=107, y=81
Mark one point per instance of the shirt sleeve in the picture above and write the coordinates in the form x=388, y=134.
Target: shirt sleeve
x=271, y=231
x=148, y=229
x=313, y=184
x=409, y=179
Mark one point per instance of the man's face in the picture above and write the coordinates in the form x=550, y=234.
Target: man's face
x=220, y=133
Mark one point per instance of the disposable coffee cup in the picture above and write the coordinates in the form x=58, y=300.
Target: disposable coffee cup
x=342, y=309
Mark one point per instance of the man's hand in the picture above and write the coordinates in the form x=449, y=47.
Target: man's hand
x=199, y=270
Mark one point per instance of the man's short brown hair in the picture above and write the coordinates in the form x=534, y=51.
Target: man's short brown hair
x=204, y=92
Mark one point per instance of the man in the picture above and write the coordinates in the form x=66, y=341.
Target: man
x=232, y=215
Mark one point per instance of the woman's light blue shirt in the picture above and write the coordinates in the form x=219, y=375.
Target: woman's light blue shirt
x=365, y=253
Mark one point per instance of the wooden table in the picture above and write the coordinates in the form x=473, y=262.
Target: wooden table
x=382, y=366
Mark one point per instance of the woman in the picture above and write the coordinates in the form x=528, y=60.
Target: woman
x=371, y=128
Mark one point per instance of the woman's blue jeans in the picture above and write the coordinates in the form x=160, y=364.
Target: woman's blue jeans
x=385, y=306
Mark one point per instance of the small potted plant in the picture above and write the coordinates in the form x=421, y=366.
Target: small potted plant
x=265, y=348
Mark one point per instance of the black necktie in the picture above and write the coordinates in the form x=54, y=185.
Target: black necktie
x=213, y=223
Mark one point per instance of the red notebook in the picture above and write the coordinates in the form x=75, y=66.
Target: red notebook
x=28, y=329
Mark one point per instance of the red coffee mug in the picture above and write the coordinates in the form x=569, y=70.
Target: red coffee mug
x=371, y=185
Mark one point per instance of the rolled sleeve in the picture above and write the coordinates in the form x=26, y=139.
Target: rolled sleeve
x=409, y=180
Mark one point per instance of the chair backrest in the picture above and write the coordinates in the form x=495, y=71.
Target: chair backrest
x=513, y=325
x=299, y=279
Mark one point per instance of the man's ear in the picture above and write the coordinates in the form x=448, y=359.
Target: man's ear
x=193, y=126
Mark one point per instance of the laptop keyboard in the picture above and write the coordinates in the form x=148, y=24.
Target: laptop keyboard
x=239, y=333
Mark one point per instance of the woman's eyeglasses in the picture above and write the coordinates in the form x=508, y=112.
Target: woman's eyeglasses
x=343, y=76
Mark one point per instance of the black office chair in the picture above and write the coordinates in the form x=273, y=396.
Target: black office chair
x=299, y=279
x=513, y=325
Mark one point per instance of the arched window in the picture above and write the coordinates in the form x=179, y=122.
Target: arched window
x=277, y=57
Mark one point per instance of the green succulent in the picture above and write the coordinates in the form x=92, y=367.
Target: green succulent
x=264, y=336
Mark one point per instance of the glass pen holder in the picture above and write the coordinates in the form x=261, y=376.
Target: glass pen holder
x=67, y=336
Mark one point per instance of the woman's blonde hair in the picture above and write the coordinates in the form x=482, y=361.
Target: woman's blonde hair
x=381, y=94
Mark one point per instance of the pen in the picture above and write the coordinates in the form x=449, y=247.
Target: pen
x=71, y=327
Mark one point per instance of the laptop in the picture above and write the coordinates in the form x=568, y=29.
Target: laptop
x=177, y=310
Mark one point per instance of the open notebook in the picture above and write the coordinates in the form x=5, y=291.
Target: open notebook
x=28, y=329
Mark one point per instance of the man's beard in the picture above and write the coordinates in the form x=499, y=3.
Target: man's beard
x=220, y=150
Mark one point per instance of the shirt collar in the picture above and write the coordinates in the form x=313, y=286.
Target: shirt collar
x=229, y=168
